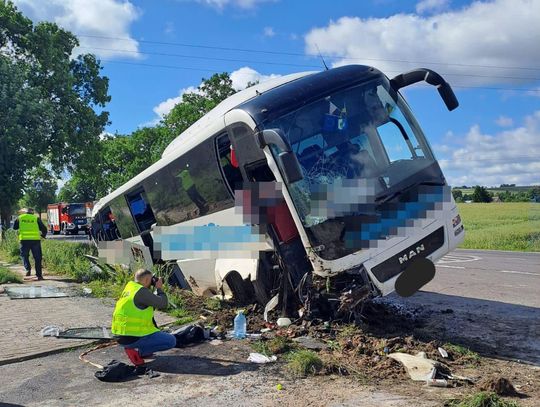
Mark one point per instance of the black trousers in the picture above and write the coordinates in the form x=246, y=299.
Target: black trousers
x=33, y=246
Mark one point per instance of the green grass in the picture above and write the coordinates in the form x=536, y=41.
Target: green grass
x=275, y=346
x=59, y=257
x=304, y=362
x=481, y=399
x=7, y=276
x=501, y=226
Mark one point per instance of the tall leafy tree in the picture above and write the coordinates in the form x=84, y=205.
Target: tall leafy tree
x=40, y=189
x=51, y=105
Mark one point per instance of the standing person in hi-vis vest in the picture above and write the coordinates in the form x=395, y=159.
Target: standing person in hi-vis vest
x=31, y=230
x=133, y=322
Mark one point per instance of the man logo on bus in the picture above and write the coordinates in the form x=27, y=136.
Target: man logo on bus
x=411, y=254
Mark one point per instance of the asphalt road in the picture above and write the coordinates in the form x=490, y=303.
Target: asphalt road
x=509, y=277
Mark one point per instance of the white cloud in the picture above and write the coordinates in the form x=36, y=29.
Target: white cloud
x=244, y=4
x=166, y=106
x=240, y=79
x=509, y=156
x=243, y=76
x=504, y=121
x=428, y=6
x=103, y=18
x=501, y=33
x=269, y=32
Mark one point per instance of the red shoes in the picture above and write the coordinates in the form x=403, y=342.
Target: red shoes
x=134, y=356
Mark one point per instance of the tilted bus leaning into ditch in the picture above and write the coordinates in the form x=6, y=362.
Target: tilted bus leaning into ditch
x=319, y=186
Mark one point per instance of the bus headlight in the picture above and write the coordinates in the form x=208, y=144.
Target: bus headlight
x=456, y=221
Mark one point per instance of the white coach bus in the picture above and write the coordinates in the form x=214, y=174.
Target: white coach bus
x=330, y=169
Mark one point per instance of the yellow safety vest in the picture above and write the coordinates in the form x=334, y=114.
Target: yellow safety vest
x=128, y=320
x=185, y=178
x=28, y=227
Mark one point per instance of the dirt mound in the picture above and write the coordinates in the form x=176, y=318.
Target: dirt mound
x=498, y=385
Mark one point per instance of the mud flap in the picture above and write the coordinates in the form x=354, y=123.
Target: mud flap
x=420, y=272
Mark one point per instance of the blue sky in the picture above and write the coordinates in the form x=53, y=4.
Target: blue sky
x=152, y=51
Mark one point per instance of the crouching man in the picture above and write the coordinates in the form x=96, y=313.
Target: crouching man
x=133, y=319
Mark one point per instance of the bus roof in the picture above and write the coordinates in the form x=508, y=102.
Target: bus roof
x=205, y=127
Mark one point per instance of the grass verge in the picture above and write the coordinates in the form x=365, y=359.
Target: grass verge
x=7, y=276
x=66, y=258
x=481, y=399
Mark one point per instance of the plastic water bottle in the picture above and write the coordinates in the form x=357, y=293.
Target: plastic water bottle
x=240, y=325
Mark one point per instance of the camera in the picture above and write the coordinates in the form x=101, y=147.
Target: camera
x=154, y=279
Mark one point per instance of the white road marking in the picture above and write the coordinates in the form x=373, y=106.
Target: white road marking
x=452, y=258
x=452, y=267
x=517, y=272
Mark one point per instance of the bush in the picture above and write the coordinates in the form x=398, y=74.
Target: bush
x=7, y=276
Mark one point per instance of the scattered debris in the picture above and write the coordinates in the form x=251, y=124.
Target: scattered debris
x=310, y=343
x=443, y=353
x=284, y=322
x=260, y=358
x=419, y=367
x=279, y=386
x=437, y=382
x=97, y=332
x=271, y=305
x=498, y=385
x=50, y=330
x=32, y=292
x=87, y=290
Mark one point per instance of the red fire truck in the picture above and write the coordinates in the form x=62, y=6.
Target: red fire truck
x=69, y=218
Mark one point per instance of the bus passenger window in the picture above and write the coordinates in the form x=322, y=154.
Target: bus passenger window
x=141, y=210
x=229, y=167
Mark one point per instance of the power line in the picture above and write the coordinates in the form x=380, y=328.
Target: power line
x=179, y=44
x=216, y=71
x=251, y=62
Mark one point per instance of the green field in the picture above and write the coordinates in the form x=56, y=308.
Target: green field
x=501, y=226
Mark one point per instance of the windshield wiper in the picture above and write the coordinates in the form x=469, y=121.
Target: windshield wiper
x=388, y=197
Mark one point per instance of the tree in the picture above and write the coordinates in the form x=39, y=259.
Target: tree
x=458, y=195
x=195, y=105
x=40, y=190
x=49, y=103
x=481, y=194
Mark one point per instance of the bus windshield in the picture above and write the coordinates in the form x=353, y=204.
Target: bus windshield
x=354, y=146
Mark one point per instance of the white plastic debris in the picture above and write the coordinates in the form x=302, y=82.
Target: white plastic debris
x=51, y=330
x=260, y=358
x=418, y=367
x=283, y=322
x=87, y=290
x=270, y=305
x=443, y=353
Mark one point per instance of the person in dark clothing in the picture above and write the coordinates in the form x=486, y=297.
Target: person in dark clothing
x=31, y=230
x=133, y=323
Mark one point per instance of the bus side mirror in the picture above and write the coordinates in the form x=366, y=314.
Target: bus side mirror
x=287, y=160
x=431, y=77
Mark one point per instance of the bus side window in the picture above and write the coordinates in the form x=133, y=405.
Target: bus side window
x=141, y=209
x=230, y=172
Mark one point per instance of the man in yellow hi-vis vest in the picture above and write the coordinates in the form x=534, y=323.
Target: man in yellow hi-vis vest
x=31, y=230
x=133, y=322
